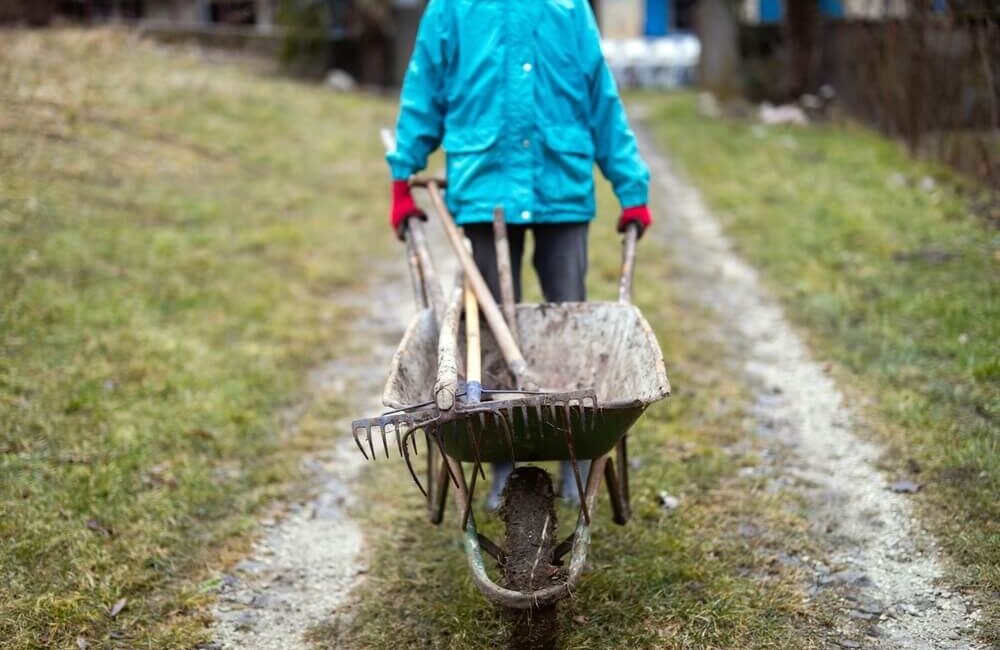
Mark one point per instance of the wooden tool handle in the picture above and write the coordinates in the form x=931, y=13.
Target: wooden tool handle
x=505, y=340
x=417, y=241
x=628, y=262
x=446, y=386
x=504, y=273
x=473, y=348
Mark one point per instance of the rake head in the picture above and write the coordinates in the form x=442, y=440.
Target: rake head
x=531, y=413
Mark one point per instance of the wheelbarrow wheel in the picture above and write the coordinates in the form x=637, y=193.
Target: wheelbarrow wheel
x=529, y=514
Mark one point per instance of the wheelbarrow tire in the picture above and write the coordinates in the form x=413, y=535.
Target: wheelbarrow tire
x=529, y=514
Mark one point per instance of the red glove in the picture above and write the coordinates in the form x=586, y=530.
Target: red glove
x=639, y=214
x=403, y=207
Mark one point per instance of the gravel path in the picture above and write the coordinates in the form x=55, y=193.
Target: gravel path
x=304, y=566
x=881, y=562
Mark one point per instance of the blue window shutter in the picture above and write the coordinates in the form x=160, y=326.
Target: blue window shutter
x=657, y=17
x=771, y=11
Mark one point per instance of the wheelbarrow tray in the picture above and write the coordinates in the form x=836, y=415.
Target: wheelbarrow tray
x=607, y=347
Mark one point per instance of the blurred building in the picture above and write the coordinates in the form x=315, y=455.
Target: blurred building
x=623, y=19
x=257, y=13
x=773, y=11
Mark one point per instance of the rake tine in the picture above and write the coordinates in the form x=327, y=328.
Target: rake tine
x=523, y=410
x=477, y=469
x=569, y=415
x=437, y=438
x=385, y=442
x=371, y=445
x=481, y=428
x=576, y=468
x=476, y=450
x=509, y=437
x=399, y=436
x=508, y=416
x=578, y=403
x=357, y=440
x=472, y=489
x=409, y=463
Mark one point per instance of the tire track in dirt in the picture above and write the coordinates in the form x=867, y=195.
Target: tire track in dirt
x=305, y=565
x=883, y=565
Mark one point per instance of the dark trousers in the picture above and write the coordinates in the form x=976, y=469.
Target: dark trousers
x=560, y=258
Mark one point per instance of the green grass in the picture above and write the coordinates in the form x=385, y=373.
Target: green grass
x=685, y=579
x=174, y=236
x=886, y=265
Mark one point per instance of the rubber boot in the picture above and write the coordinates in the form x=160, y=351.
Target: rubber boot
x=500, y=473
x=567, y=480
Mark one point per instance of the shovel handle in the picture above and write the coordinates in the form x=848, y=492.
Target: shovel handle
x=446, y=386
x=416, y=243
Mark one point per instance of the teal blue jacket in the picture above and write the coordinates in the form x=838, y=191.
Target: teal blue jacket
x=520, y=97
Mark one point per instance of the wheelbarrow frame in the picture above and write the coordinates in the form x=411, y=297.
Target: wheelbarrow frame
x=442, y=469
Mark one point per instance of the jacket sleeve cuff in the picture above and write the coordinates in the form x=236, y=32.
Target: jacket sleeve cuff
x=633, y=198
x=400, y=169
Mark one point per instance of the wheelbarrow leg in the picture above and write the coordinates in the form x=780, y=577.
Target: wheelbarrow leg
x=616, y=478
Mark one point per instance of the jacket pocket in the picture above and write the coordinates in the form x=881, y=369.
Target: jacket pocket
x=474, y=165
x=567, y=169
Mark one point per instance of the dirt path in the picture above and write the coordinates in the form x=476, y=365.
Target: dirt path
x=305, y=565
x=883, y=567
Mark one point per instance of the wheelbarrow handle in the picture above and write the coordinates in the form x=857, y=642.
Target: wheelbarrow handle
x=629, y=242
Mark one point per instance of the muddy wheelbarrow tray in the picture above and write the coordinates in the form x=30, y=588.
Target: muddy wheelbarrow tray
x=607, y=346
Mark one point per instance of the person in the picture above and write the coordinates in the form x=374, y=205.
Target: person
x=519, y=95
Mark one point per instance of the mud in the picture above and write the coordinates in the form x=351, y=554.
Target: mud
x=884, y=568
x=530, y=519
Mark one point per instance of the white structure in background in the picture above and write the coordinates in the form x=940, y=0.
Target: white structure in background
x=653, y=62
x=621, y=19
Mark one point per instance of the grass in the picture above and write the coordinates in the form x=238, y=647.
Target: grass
x=892, y=269
x=174, y=237
x=682, y=579
x=175, y=240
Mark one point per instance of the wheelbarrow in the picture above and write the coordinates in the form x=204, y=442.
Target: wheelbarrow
x=600, y=366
